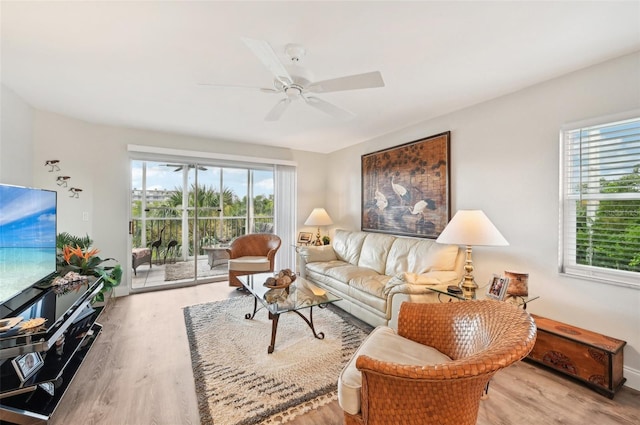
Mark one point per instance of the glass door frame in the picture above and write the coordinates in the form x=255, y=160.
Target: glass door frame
x=249, y=218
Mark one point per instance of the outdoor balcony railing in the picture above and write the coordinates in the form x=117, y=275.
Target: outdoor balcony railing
x=211, y=231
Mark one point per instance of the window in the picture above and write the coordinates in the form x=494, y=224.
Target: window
x=600, y=220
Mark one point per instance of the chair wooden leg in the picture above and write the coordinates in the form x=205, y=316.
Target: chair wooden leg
x=233, y=278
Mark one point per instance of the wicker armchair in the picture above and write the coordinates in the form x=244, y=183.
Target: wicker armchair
x=480, y=337
x=253, y=253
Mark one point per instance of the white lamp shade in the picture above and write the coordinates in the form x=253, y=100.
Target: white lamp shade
x=471, y=228
x=318, y=217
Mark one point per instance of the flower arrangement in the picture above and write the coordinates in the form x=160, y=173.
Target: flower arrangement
x=84, y=262
x=75, y=254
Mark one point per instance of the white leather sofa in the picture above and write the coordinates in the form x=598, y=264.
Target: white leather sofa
x=374, y=273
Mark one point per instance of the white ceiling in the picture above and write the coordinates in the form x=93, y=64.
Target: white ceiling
x=137, y=64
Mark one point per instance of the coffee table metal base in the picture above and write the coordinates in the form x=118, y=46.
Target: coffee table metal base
x=274, y=322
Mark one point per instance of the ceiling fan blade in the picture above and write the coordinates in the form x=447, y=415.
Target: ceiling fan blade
x=226, y=86
x=329, y=108
x=267, y=56
x=277, y=111
x=350, y=82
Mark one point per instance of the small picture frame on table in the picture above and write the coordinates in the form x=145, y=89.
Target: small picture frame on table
x=27, y=364
x=304, y=238
x=498, y=287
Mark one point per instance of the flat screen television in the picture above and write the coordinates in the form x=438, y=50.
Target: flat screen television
x=27, y=238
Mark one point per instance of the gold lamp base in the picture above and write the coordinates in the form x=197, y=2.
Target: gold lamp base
x=468, y=285
x=318, y=241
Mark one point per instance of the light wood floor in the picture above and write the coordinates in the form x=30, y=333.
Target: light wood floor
x=139, y=373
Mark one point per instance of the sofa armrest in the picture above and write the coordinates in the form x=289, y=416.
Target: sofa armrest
x=314, y=254
x=413, y=282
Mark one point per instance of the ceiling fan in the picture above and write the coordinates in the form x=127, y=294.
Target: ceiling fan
x=179, y=167
x=295, y=82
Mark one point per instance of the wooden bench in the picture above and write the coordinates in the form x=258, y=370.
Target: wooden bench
x=589, y=357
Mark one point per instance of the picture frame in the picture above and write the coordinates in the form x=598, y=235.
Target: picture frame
x=27, y=365
x=406, y=189
x=497, y=287
x=305, y=238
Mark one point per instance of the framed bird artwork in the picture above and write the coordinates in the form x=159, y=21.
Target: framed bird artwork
x=405, y=189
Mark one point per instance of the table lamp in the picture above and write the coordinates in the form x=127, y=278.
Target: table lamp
x=471, y=227
x=318, y=217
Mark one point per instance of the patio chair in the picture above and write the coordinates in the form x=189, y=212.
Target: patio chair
x=140, y=256
x=250, y=254
x=436, y=368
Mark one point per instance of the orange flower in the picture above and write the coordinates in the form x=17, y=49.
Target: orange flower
x=91, y=253
x=77, y=251
x=69, y=253
x=66, y=253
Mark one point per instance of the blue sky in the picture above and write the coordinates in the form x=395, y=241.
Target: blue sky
x=161, y=176
x=27, y=217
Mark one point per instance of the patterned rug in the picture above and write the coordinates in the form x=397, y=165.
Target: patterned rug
x=238, y=383
x=184, y=270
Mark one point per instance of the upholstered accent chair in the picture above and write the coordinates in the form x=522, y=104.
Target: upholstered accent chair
x=140, y=256
x=435, y=369
x=250, y=254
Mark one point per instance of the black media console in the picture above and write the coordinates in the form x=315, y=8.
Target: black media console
x=68, y=334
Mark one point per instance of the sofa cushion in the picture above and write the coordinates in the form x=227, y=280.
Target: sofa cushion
x=250, y=264
x=373, y=285
x=348, y=245
x=375, y=249
x=442, y=257
x=408, y=255
x=347, y=272
x=324, y=266
x=383, y=344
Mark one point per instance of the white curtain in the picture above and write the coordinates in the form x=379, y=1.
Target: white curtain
x=285, y=215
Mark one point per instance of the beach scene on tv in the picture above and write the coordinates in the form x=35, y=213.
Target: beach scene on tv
x=27, y=238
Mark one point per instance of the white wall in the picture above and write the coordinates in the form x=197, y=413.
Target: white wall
x=504, y=160
x=97, y=160
x=16, y=147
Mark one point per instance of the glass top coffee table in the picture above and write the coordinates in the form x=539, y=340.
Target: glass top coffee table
x=300, y=295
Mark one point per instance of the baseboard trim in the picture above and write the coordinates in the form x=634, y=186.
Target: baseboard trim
x=633, y=378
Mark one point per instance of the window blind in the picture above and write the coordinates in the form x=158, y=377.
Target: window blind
x=601, y=201
x=285, y=215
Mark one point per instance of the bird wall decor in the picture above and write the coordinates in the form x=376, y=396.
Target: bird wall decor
x=53, y=164
x=75, y=192
x=405, y=189
x=62, y=180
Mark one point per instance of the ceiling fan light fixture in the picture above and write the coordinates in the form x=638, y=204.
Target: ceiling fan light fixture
x=295, y=52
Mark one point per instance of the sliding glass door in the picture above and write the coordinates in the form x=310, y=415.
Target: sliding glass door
x=186, y=214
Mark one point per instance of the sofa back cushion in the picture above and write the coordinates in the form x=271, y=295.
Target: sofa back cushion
x=420, y=256
x=375, y=250
x=408, y=255
x=348, y=245
x=442, y=257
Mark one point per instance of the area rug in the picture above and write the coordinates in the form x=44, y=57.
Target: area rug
x=184, y=270
x=238, y=383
